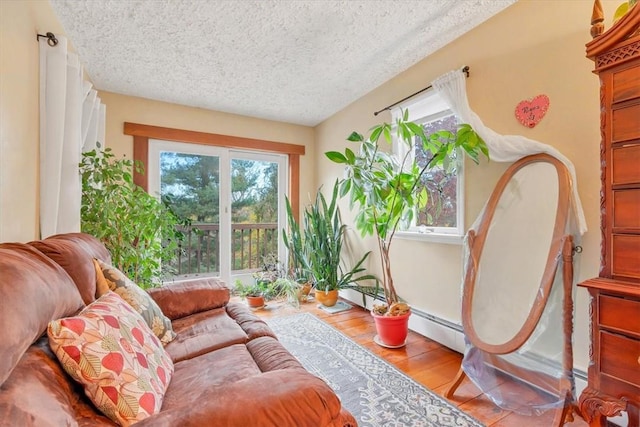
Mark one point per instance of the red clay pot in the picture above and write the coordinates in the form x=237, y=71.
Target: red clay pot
x=255, y=302
x=392, y=330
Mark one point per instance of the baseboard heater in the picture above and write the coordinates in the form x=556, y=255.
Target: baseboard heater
x=433, y=327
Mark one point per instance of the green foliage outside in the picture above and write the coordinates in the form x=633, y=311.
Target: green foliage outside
x=193, y=183
x=138, y=230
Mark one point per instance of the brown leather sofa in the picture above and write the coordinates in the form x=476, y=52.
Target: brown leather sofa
x=230, y=369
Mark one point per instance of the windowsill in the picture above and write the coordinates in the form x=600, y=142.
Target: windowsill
x=449, y=239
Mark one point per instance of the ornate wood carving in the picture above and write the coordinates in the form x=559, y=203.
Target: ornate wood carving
x=618, y=55
x=597, y=19
x=603, y=181
x=593, y=405
x=591, y=320
x=615, y=294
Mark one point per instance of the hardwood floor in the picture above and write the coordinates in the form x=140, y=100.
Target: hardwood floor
x=424, y=360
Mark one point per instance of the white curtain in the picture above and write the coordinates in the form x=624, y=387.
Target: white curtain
x=71, y=117
x=504, y=148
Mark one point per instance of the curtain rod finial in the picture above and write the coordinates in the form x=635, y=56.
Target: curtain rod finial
x=51, y=38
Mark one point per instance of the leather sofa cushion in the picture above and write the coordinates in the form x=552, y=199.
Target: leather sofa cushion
x=200, y=376
x=270, y=355
x=177, y=300
x=38, y=393
x=204, y=332
x=34, y=290
x=288, y=397
x=252, y=325
x=75, y=253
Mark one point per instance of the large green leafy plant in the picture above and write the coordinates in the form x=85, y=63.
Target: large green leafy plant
x=138, y=229
x=316, y=245
x=385, y=187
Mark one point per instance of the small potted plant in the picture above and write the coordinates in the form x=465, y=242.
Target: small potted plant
x=253, y=293
x=383, y=187
x=289, y=289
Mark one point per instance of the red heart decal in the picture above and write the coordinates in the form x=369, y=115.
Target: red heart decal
x=531, y=111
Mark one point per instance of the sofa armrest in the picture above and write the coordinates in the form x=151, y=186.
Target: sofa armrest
x=182, y=298
x=282, y=398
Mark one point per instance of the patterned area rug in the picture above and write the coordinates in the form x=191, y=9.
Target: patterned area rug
x=375, y=392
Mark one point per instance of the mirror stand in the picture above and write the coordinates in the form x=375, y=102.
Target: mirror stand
x=510, y=300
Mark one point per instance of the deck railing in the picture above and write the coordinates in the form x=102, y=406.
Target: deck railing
x=199, y=253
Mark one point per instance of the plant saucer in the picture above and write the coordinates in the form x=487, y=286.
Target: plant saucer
x=377, y=340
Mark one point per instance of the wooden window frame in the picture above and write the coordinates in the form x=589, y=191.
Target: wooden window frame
x=142, y=133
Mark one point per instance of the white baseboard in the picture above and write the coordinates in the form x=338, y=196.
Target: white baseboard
x=444, y=332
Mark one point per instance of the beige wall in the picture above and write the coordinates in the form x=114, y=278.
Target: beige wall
x=121, y=108
x=20, y=21
x=531, y=48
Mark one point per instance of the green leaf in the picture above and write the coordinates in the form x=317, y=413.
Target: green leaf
x=345, y=187
x=351, y=157
x=387, y=133
x=336, y=157
x=375, y=133
x=355, y=137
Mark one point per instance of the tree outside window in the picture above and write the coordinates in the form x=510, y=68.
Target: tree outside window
x=443, y=214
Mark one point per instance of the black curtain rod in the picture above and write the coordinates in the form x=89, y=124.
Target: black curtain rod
x=388, y=107
x=51, y=38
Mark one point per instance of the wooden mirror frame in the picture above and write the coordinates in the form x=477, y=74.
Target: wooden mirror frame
x=476, y=243
x=561, y=245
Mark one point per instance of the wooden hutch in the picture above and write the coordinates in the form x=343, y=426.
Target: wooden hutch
x=614, y=369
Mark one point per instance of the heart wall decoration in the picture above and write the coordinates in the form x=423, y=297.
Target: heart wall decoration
x=530, y=112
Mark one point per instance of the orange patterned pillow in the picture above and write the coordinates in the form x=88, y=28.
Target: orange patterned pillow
x=110, y=278
x=111, y=351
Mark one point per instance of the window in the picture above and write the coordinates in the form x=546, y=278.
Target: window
x=442, y=220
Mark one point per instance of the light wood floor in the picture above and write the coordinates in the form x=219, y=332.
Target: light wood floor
x=424, y=360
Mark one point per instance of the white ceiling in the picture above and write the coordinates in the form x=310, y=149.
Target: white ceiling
x=290, y=61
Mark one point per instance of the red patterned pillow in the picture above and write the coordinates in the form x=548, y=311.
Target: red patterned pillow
x=111, y=351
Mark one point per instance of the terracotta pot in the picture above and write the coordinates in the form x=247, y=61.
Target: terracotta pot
x=255, y=302
x=303, y=293
x=328, y=298
x=392, y=330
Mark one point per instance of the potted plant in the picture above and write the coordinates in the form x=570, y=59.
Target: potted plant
x=383, y=187
x=139, y=230
x=253, y=293
x=272, y=269
x=293, y=240
x=290, y=289
x=318, y=248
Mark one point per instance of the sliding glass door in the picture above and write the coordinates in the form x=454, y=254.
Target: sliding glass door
x=233, y=200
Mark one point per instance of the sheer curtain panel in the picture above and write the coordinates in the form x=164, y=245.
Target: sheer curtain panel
x=71, y=117
x=504, y=148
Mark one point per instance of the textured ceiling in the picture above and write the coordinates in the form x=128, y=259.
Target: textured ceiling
x=290, y=61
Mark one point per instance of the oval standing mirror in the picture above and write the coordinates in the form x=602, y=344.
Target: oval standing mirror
x=514, y=255
x=512, y=267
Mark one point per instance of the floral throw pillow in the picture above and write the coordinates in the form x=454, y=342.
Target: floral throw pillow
x=141, y=301
x=110, y=350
